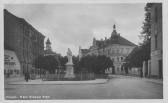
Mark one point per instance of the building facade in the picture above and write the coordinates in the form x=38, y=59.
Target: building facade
x=156, y=40
x=23, y=39
x=11, y=64
x=116, y=48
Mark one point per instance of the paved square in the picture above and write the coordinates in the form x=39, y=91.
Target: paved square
x=116, y=88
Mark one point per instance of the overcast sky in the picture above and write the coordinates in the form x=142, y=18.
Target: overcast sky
x=74, y=25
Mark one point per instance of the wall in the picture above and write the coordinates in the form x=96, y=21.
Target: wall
x=156, y=29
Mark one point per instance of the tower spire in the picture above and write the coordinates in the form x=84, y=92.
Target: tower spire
x=48, y=44
x=114, y=27
x=114, y=33
x=48, y=41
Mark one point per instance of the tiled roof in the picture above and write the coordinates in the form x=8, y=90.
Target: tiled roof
x=114, y=39
x=117, y=39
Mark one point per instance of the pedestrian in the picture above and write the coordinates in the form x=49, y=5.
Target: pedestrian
x=141, y=73
x=27, y=76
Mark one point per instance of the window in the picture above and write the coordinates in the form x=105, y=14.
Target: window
x=11, y=71
x=114, y=51
x=118, y=69
x=121, y=50
x=121, y=58
x=156, y=15
x=17, y=72
x=112, y=59
x=8, y=71
x=118, y=50
x=156, y=41
x=109, y=52
x=117, y=58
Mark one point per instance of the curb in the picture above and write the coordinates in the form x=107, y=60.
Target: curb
x=157, y=82
x=61, y=83
x=145, y=79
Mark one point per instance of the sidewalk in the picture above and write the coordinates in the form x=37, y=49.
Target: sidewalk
x=158, y=81
x=39, y=81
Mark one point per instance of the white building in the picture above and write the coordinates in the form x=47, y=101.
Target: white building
x=12, y=66
x=156, y=41
x=116, y=47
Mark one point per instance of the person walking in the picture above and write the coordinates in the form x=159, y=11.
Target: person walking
x=27, y=76
x=141, y=73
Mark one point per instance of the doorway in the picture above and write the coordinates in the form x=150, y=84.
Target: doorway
x=160, y=69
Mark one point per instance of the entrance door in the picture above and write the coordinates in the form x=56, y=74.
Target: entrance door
x=160, y=69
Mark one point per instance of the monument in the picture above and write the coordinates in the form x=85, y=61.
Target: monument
x=69, y=66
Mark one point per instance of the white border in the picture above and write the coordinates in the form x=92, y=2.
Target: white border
x=165, y=49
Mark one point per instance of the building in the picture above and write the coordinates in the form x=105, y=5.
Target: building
x=48, y=50
x=156, y=40
x=116, y=47
x=11, y=64
x=23, y=39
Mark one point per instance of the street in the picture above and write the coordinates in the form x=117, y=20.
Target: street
x=116, y=88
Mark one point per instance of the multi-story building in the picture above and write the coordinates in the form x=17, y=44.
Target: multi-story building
x=116, y=47
x=156, y=40
x=23, y=39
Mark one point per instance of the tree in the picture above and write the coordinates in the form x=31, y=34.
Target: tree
x=75, y=60
x=142, y=52
x=63, y=61
x=138, y=55
x=146, y=28
x=48, y=63
x=96, y=64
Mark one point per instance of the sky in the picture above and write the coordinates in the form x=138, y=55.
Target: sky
x=74, y=25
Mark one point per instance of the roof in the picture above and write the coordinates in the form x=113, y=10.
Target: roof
x=49, y=52
x=6, y=12
x=48, y=41
x=117, y=39
x=114, y=39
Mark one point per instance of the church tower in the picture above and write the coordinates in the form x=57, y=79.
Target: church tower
x=48, y=44
x=94, y=42
x=114, y=33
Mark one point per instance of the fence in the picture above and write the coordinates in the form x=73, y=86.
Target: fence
x=78, y=76
x=132, y=72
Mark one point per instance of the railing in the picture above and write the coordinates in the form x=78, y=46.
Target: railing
x=78, y=76
x=129, y=74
